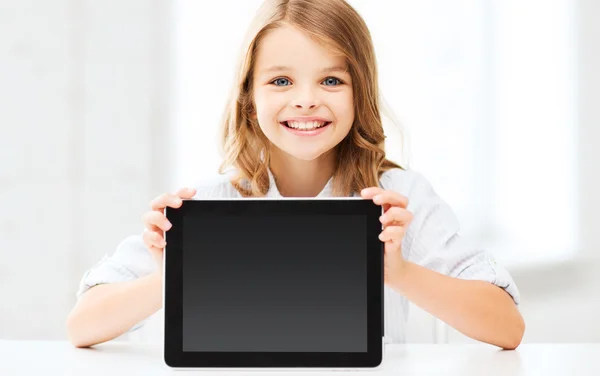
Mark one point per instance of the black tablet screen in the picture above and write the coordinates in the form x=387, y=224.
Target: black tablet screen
x=274, y=283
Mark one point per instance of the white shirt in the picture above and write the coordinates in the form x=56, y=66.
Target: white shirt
x=431, y=240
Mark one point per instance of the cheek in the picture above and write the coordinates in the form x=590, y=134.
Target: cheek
x=268, y=105
x=344, y=108
x=259, y=101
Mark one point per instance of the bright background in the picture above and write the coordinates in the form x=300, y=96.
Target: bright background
x=104, y=105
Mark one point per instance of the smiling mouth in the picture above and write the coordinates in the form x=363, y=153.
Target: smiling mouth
x=305, y=126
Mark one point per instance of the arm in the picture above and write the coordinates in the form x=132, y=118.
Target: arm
x=108, y=310
x=477, y=309
x=121, y=291
x=429, y=263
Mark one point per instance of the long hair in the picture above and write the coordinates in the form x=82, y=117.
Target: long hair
x=338, y=27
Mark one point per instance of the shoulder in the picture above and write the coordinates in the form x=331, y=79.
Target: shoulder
x=409, y=183
x=426, y=205
x=422, y=198
x=215, y=185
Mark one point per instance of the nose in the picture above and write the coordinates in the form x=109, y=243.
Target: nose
x=306, y=99
x=309, y=106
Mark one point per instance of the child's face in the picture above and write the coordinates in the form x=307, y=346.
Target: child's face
x=303, y=88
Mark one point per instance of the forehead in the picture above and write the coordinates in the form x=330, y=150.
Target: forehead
x=287, y=46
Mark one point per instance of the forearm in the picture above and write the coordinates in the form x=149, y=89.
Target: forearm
x=477, y=309
x=106, y=311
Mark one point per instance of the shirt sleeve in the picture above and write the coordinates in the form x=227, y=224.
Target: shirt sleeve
x=433, y=240
x=131, y=260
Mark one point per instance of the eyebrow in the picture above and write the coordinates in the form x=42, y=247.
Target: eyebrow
x=279, y=68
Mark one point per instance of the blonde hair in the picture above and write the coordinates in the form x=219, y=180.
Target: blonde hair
x=338, y=27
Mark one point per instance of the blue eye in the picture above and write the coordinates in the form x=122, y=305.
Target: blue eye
x=328, y=79
x=279, y=80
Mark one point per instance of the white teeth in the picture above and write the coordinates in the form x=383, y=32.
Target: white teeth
x=306, y=125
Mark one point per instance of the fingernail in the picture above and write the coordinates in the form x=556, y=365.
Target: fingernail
x=382, y=218
x=376, y=198
x=168, y=226
x=178, y=200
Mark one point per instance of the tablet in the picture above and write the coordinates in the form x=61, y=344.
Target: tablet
x=267, y=283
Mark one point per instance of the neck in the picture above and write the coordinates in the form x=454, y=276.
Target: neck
x=299, y=178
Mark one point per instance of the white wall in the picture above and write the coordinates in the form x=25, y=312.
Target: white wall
x=589, y=130
x=561, y=303
x=82, y=109
x=84, y=96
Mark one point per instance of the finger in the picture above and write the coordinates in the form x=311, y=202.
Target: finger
x=155, y=218
x=396, y=216
x=186, y=192
x=154, y=228
x=157, y=255
x=368, y=193
x=395, y=234
x=156, y=252
x=153, y=239
x=164, y=200
x=153, y=249
x=391, y=198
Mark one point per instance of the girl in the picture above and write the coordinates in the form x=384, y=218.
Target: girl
x=304, y=120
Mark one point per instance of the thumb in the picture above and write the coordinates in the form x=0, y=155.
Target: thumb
x=186, y=192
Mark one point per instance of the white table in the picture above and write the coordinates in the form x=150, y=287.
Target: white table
x=119, y=358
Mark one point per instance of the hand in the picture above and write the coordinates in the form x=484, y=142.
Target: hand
x=395, y=220
x=156, y=222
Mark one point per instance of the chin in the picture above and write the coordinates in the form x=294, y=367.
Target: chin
x=304, y=155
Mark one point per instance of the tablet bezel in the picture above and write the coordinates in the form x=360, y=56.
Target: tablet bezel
x=174, y=356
